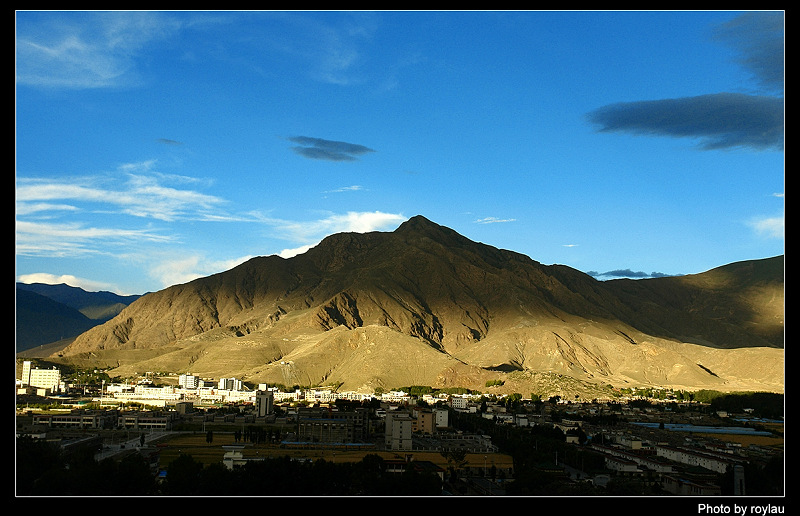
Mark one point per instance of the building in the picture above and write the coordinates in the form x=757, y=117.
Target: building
x=709, y=461
x=264, y=401
x=687, y=487
x=332, y=426
x=424, y=421
x=78, y=419
x=442, y=417
x=189, y=381
x=49, y=379
x=458, y=402
x=145, y=420
x=231, y=384
x=398, y=431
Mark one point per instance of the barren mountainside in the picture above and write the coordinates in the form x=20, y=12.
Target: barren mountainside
x=423, y=305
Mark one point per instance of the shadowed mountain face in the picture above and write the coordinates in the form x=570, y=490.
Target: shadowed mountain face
x=47, y=313
x=424, y=305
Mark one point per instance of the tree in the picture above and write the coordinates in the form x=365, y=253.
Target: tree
x=183, y=474
x=455, y=460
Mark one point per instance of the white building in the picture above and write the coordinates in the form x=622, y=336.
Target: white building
x=189, y=381
x=458, y=402
x=441, y=418
x=395, y=397
x=41, y=378
x=232, y=384
x=710, y=461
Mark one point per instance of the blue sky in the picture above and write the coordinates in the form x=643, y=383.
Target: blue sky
x=153, y=148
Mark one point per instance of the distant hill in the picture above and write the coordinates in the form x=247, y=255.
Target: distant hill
x=41, y=320
x=48, y=313
x=424, y=305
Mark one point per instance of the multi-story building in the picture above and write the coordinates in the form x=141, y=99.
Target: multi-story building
x=398, y=431
x=232, y=384
x=441, y=418
x=189, y=381
x=424, y=421
x=263, y=402
x=78, y=419
x=145, y=420
x=49, y=379
x=332, y=426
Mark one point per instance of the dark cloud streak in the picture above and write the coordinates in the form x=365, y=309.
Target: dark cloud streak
x=328, y=150
x=720, y=120
x=627, y=273
x=758, y=37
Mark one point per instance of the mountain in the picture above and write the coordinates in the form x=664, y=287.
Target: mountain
x=41, y=320
x=423, y=305
x=48, y=313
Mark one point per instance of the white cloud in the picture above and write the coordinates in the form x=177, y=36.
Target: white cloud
x=72, y=239
x=78, y=50
x=770, y=227
x=315, y=230
x=67, y=279
x=492, y=220
x=353, y=188
x=288, y=253
x=352, y=221
x=187, y=268
x=46, y=210
x=142, y=195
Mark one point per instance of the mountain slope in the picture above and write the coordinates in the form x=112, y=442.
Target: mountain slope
x=41, y=320
x=99, y=306
x=48, y=313
x=425, y=305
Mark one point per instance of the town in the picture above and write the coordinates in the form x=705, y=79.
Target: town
x=642, y=442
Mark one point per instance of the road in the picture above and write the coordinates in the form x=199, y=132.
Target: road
x=111, y=449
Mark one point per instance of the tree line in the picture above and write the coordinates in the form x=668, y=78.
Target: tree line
x=43, y=469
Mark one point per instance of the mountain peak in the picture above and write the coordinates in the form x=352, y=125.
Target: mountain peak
x=419, y=225
x=416, y=222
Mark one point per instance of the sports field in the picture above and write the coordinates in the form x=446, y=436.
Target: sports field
x=207, y=453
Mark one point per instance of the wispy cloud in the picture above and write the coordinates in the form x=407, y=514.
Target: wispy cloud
x=78, y=50
x=52, y=214
x=352, y=188
x=493, y=220
x=719, y=120
x=167, y=141
x=332, y=48
x=141, y=193
x=75, y=239
x=328, y=150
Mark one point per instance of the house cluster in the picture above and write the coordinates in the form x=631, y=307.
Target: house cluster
x=680, y=469
x=312, y=418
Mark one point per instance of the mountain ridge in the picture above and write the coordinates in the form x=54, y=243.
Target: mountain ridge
x=46, y=313
x=468, y=311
